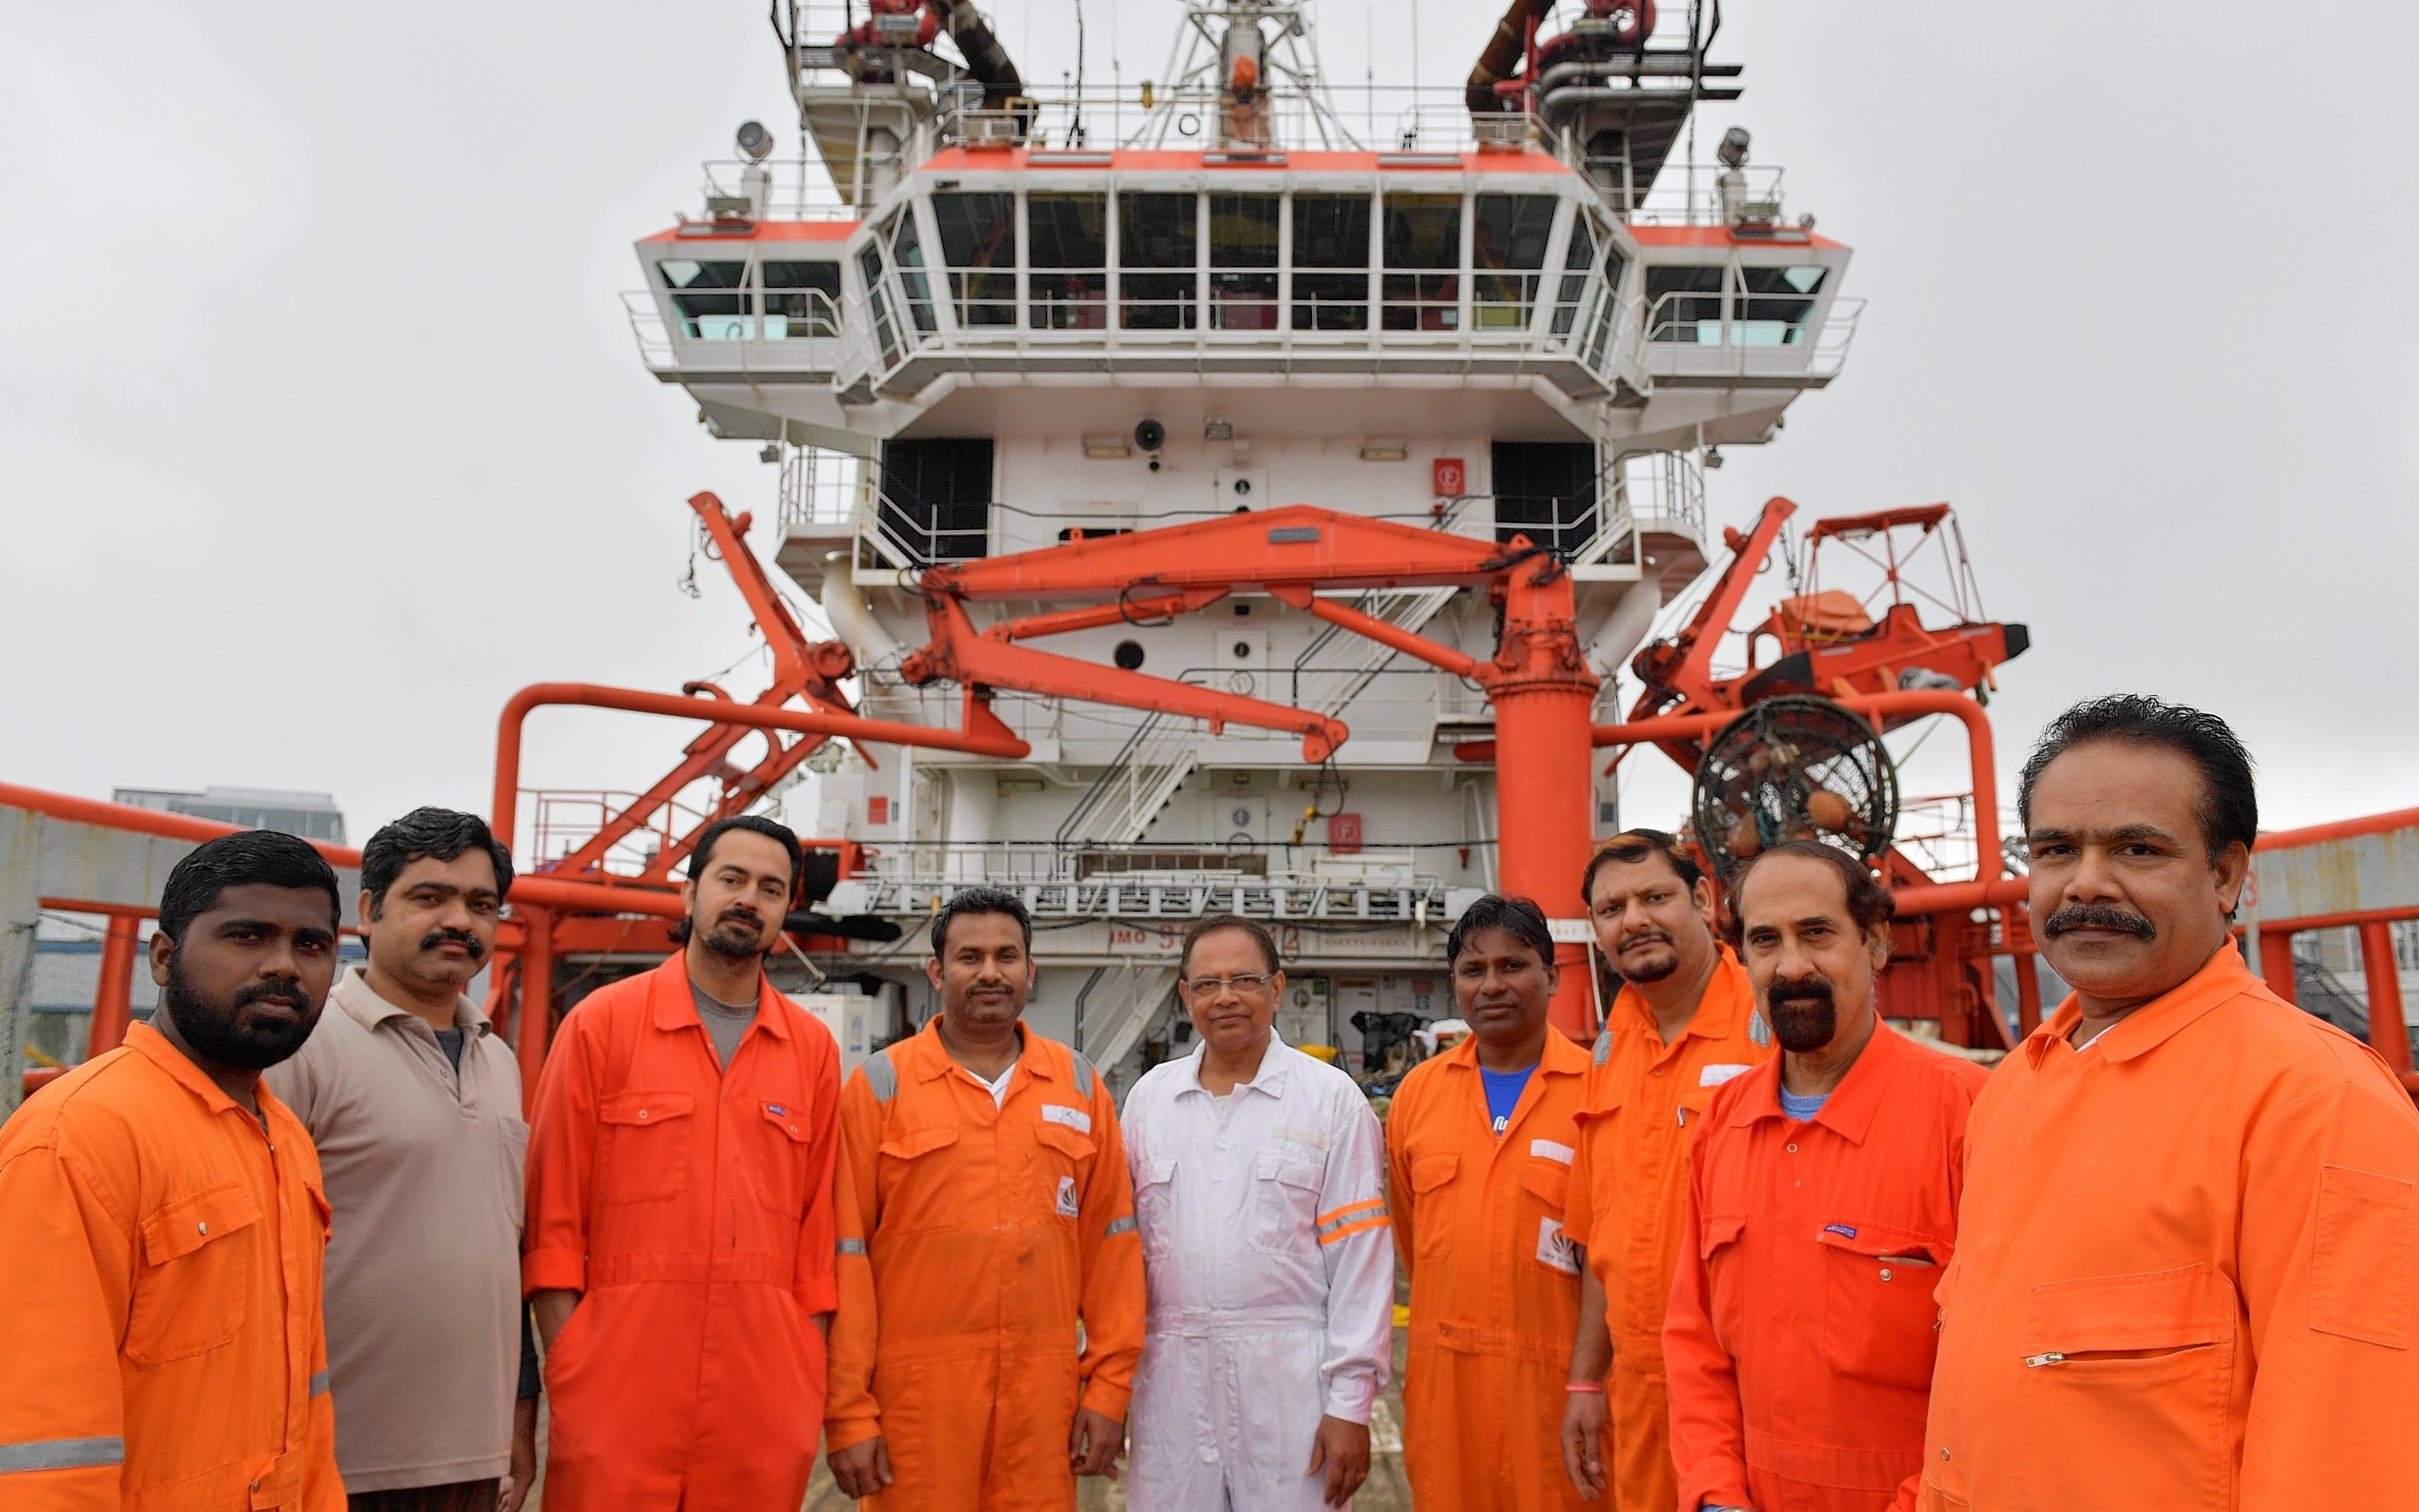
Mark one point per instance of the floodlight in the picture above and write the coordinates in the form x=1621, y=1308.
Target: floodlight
x=1733, y=149
x=756, y=142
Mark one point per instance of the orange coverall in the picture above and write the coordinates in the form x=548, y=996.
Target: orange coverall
x=690, y=1206
x=2184, y=1276
x=1800, y=1334
x=974, y=1238
x=1644, y=1101
x=159, y=1260
x=1478, y=1223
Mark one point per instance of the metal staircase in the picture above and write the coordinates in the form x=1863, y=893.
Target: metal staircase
x=1116, y=1005
x=1137, y=783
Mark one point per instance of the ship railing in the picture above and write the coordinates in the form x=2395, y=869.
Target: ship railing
x=1688, y=193
x=1664, y=493
x=803, y=337
x=1708, y=333
x=791, y=189
x=1174, y=867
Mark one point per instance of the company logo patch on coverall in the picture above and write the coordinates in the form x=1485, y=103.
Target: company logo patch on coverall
x=1555, y=1247
x=1067, y=1208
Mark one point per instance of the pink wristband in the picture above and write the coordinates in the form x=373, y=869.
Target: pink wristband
x=1593, y=1388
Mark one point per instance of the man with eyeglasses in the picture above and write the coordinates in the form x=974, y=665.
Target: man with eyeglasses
x=1259, y=1186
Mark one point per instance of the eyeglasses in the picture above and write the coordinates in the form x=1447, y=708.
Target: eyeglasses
x=1209, y=986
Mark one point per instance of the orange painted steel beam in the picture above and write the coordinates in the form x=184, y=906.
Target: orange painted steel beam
x=1680, y=670
x=1125, y=611
x=2387, y=1035
x=1298, y=544
x=2276, y=963
x=1383, y=632
x=2351, y=920
x=2340, y=830
x=126, y=818
x=114, y=996
x=983, y=734
x=534, y=1019
x=957, y=654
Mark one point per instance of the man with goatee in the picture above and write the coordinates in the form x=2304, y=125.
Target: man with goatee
x=2189, y=1274
x=680, y=1241
x=1683, y=1024
x=1821, y=1209
x=162, y=1222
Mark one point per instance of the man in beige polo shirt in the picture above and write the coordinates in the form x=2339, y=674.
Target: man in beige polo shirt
x=416, y=1109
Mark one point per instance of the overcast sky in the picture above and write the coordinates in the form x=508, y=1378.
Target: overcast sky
x=321, y=430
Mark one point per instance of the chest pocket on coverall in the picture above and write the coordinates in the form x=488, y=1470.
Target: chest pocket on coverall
x=1879, y=1316
x=1431, y=1177
x=1546, y=1182
x=781, y=1182
x=2132, y=1371
x=1154, y=1202
x=1065, y=1161
x=1721, y=1234
x=195, y=1248
x=913, y=1199
x=1283, y=1203
x=647, y=1156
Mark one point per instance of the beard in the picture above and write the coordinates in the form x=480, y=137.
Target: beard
x=738, y=934
x=219, y=1032
x=1654, y=971
x=1805, y=1014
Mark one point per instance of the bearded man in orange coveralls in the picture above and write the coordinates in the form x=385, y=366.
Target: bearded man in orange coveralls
x=1822, y=1205
x=679, y=1243
x=1478, y=1155
x=987, y=1222
x=1684, y=1023
x=2185, y=1267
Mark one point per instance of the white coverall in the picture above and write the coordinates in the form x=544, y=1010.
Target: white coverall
x=1264, y=1238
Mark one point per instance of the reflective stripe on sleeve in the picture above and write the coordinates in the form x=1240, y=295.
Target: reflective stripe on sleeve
x=1353, y=1218
x=882, y=1076
x=61, y=1454
x=851, y=1247
x=1084, y=1073
x=318, y=1383
x=1118, y=1226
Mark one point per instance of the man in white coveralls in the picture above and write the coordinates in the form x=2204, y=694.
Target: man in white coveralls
x=1260, y=1190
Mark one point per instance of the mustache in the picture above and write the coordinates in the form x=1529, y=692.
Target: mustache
x=2098, y=916
x=1642, y=937
x=1804, y=990
x=290, y=996
x=451, y=936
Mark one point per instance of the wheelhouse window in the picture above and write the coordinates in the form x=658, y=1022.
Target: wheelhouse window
x=1423, y=259
x=978, y=245
x=1509, y=235
x=1243, y=247
x=1067, y=284
x=906, y=255
x=800, y=298
x=1158, y=232
x=1576, y=257
x=711, y=297
x=1608, y=302
x=1684, y=305
x=1775, y=305
x=1331, y=262
x=879, y=299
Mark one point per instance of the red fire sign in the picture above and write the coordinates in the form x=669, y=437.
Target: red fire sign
x=877, y=809
x=1451, y=479
x=1343, y=834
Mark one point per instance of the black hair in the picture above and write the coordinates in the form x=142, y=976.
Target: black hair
x=774, y=830
x=435, y=834
x=1518, y=917
x=268, y=857
x=2230, y=807
x=1257, y=930
x=1870, y=904
x=1633, y=845
x=981, y=900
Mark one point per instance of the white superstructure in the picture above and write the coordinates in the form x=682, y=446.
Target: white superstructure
x=975, y=319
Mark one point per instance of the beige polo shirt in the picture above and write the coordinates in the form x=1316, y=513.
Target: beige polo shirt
x=424, y=1170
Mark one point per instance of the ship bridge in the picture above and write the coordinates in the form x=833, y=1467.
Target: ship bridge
x=992, y=278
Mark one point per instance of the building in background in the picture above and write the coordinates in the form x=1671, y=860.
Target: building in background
x=313, y=816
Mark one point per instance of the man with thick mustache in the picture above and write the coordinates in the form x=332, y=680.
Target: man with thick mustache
x=987, y=1227
x=680, y=1242
x=2186, y=1273
x=1821, y=1208
x=415, y=1107
x=1683, y=1023
x=162, y=1223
